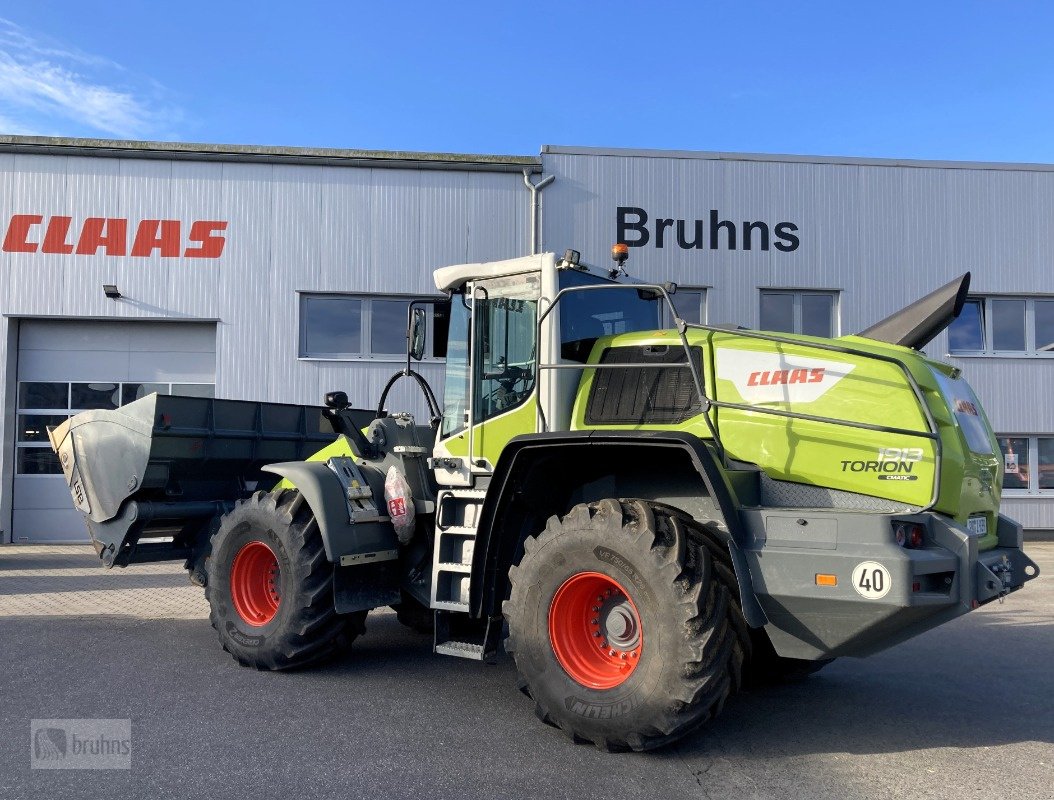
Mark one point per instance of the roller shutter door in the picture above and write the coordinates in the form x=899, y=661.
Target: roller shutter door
x=68, y=366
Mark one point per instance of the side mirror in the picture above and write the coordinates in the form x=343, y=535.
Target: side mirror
x=416, y=334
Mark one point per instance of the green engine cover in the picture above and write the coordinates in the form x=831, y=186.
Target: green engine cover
x=757, y=376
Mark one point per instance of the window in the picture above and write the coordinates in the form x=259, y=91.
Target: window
x=585, y=316
x=690, y=304
x=507, y=324
x=506, y=319
x=804, y=312
x=46, y=404
x=1028, y=464
x=330, y=326
x=455, y=388
x=1004, y=326
x=341, y=327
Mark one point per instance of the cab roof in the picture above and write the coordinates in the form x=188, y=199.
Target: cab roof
x=454, y=277
x=451, y=278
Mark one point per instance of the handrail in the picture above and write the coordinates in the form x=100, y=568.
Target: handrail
x=932, y=433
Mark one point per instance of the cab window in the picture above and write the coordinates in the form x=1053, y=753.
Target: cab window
x=506, y=338
x=588, y=315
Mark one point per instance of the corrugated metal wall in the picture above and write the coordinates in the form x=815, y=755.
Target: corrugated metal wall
x=290, y=228
x=883, y=235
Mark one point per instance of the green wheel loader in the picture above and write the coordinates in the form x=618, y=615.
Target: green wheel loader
x=658, y=516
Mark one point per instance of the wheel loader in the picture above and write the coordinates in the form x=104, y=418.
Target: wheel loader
x=647, y=518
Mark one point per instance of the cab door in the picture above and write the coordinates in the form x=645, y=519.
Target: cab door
x=490, y=391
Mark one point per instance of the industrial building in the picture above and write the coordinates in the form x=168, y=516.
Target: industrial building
x=281, y=273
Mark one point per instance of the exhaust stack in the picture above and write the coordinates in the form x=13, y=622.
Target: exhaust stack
x=917, y=325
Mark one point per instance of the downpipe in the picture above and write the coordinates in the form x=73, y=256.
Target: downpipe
x=535, y=189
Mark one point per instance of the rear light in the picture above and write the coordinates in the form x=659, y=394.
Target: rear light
x=909, y=534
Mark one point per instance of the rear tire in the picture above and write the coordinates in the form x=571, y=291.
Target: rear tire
x=670, y=609
x=270, y=587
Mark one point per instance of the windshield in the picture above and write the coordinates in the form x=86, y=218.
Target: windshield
x=586, y=316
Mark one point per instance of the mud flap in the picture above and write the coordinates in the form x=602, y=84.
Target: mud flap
x=752, y=610
x=361, y=588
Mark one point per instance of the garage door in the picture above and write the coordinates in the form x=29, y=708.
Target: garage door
x=65, y=367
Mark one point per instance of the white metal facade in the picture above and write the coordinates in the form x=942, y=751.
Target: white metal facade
x=352, y=223
x=878, y=233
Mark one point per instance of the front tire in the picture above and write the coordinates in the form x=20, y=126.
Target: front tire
x=270, y=587
x=625, y=628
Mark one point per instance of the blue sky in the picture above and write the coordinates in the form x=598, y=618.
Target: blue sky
x=952, y=80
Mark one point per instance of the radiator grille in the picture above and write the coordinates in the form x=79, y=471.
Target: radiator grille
x=659, y=395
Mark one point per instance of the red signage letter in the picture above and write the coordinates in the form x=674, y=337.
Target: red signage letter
x=55, y=236
x=17, y=239
x=148, y=239
x=110, y=234
x=206, y=232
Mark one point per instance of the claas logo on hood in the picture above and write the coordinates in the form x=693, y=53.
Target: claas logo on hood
x=785, y=377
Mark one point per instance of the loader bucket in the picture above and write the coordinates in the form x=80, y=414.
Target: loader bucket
x=163, y=467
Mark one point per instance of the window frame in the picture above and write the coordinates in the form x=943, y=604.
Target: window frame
x=69, y=412
x=1032, y=463
x=988, y=331
x=483, y=324
x=704, y=304
x=365, y=327
x=797, y=294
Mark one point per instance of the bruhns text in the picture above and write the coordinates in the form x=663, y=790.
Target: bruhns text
x=636, y=228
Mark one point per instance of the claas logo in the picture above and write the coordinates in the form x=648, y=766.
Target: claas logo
x=114, y=236
x=785, y=376
x=965, y=407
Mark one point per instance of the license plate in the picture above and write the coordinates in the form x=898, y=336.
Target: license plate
x=977, y=525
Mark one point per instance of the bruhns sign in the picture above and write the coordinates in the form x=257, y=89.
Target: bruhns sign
x=637, y=228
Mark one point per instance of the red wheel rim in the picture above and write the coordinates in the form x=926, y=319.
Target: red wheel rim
x=595, y=630
x=254, y=583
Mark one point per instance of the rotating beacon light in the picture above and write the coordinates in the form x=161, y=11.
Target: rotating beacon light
x=619, y=254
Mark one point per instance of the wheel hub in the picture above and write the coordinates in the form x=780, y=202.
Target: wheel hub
x=619, y=623
x=255, y=583
x=595, y=630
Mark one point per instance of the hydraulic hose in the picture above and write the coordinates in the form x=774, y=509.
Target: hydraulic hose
x=430, y=398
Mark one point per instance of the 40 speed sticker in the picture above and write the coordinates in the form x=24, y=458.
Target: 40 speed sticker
x=871, y=580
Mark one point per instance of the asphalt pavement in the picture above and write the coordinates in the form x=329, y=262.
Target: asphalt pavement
x=963, y=711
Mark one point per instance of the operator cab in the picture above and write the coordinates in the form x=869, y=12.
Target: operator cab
x=502, y=329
